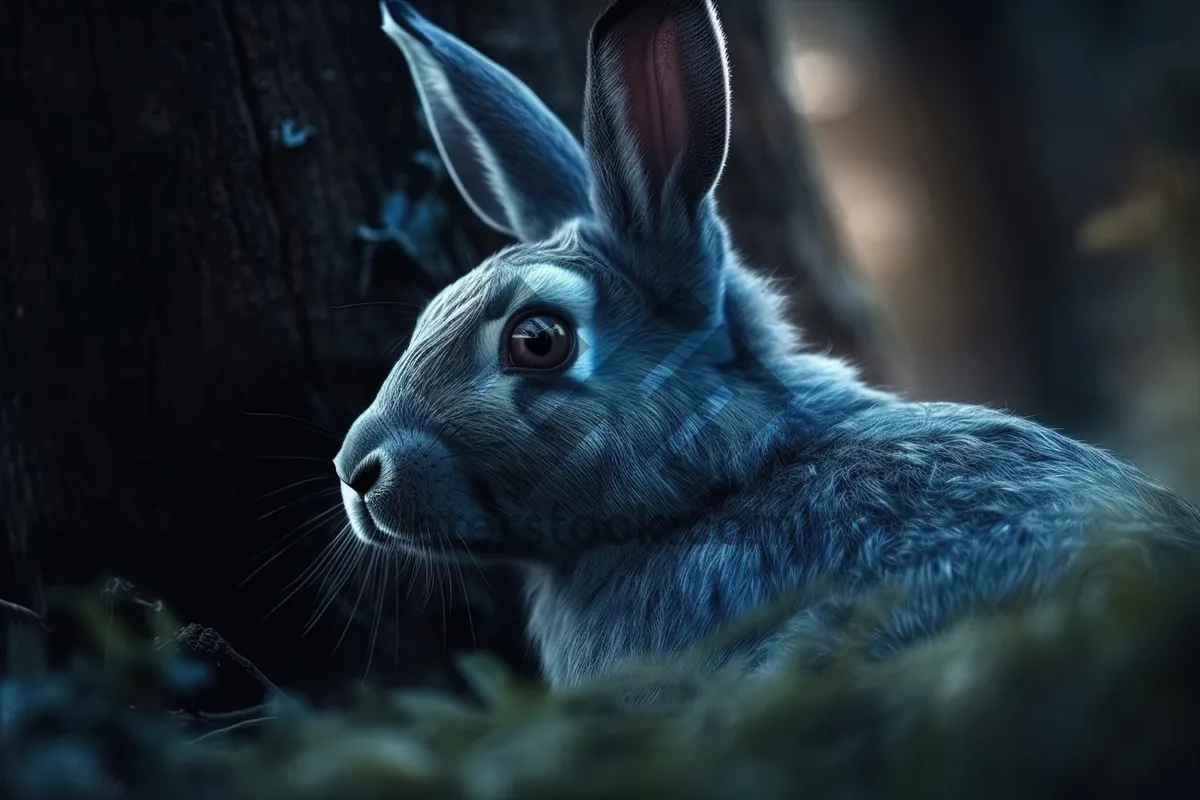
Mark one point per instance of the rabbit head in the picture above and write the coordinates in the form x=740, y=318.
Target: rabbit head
x=617, y=367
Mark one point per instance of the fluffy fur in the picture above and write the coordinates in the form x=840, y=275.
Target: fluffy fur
x=693, y=462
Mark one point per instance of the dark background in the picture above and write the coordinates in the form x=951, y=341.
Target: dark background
x=220, y=218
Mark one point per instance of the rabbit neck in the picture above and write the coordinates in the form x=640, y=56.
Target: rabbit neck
x=731, y=546
x=657, y=597
x=627, y=602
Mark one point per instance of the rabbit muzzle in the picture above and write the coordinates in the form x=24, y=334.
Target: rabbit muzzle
x=405, y=488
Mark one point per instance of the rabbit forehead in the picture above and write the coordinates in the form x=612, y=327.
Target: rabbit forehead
x=458, y=335
x=554, y=285
x=489, y=294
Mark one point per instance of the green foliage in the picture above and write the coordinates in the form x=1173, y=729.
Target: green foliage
x=1091, y=692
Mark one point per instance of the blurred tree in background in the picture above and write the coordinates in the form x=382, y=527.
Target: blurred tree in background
x=966, y=144
x=222, y=217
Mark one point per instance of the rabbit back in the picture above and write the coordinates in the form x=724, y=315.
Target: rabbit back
x=959, y=507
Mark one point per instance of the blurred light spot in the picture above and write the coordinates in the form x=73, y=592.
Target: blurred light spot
x=876, y=209
x=880, y=214
x=824, y=86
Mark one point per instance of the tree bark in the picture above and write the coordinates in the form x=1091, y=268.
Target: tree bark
x=190, y=191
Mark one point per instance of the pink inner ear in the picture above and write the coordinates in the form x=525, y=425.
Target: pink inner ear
x=657, y=111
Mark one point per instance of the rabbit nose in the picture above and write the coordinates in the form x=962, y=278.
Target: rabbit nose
x=365, y=475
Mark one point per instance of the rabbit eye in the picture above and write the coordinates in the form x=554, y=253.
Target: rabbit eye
x=537, y=343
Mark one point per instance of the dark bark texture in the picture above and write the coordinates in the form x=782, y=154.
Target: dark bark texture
x=198, y=198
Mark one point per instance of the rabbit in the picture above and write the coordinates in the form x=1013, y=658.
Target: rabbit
x=618, y=405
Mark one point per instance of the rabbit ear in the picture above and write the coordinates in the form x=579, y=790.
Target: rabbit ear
x=520, y=169
x=657, y=110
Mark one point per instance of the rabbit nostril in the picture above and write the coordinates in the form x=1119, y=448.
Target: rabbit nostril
x=365, y=475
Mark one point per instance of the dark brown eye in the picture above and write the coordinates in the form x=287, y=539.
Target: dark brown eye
x=539, y=342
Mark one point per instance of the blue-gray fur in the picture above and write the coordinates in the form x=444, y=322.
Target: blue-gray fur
x=694, y=462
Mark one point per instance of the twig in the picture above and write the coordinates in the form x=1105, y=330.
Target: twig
x=198, y=637
x=119, y=588
x=16, y=608
x=237, y=726
x=237, y=715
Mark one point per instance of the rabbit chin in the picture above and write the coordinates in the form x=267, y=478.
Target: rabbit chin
x=447, y=545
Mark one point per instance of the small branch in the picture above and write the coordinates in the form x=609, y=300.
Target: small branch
x=198, y=637
x=15, y=608
x=237, y=726
x=223, y=717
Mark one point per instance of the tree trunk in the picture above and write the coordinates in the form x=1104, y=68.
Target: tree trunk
x=190, y=191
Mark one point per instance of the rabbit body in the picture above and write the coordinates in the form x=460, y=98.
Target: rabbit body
x=686, y=461
x=961, y=506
